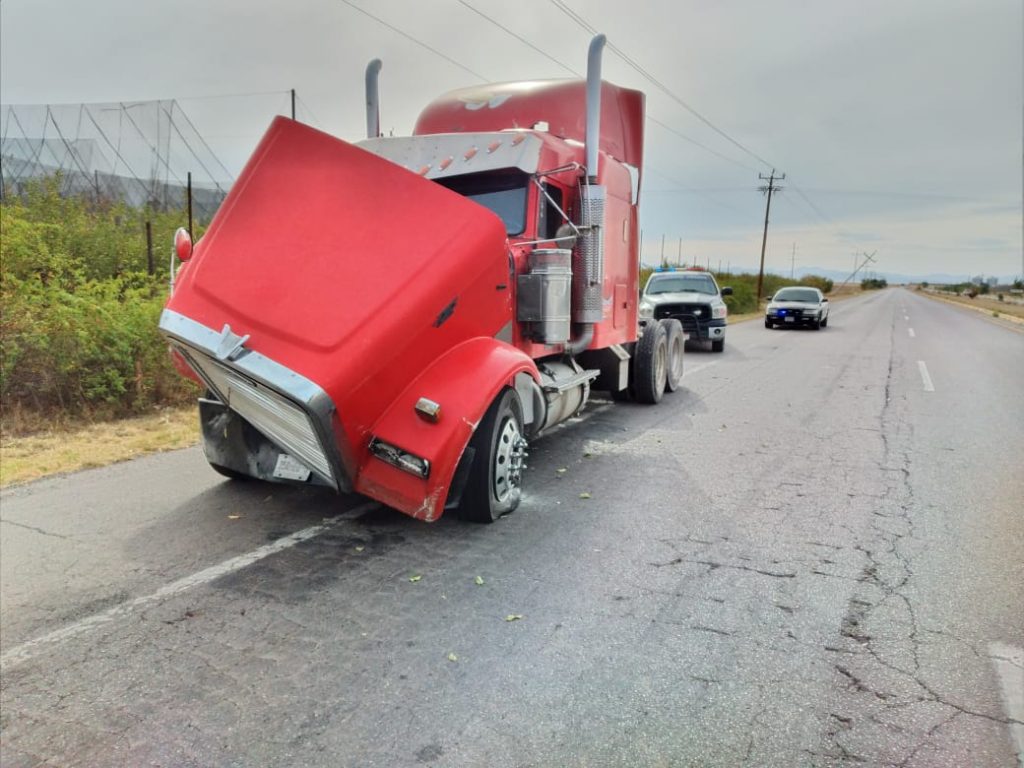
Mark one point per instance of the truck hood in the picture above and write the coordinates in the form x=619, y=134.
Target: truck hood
x=320, y=242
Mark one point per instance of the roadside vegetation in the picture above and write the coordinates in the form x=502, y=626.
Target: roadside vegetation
x=78, y=338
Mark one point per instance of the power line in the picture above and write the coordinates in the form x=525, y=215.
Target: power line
x=696, y=143
x=567, y=68
x=412, y=39
x=521, y=39
x=657, y=83
x=824, y=217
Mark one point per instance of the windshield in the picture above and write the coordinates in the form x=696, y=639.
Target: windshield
x=797, y=294
x=503, y=192
x=680, y=283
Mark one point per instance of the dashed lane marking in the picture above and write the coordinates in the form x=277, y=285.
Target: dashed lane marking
x=910, y=332
x=1008, y=661
x=925, y=378
x=27, y=650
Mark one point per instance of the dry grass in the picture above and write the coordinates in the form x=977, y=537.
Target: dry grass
x=67, y=449
x=984, y=303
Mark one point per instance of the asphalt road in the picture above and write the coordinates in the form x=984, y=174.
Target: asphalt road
x=810, y=555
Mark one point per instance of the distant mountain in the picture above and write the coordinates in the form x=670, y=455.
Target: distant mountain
x=894, y=278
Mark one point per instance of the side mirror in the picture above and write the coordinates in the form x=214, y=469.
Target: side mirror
x=824, y=300
x=727, y=291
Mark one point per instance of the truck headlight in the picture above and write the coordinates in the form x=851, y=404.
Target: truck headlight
x=646, y=310
x=719, y=312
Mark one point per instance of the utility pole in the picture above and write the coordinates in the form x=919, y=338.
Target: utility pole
x=792, y=264
x=769, y=188
x=293, y=103
x=679, y=257
x=868, y=258
x=663, y=262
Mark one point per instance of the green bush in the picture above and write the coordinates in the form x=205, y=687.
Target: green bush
x=78, y=332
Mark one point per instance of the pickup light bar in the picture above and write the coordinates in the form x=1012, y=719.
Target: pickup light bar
x=402, y=459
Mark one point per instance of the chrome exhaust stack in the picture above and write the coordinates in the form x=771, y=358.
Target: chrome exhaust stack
x=588, y=257
x=372, y=99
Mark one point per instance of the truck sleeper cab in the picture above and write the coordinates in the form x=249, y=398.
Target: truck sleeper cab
x=428, y=304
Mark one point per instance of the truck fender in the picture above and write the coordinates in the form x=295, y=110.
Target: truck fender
x=463, y=382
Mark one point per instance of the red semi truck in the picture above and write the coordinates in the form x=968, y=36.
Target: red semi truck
x=399, y=317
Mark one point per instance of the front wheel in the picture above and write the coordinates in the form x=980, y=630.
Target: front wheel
x=768, y=324
x=824, y=323
x=494, y=485
x=718, y=346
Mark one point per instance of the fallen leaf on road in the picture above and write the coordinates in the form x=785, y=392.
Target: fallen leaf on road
x=452, y=657
x=584, y=495
x=514, y=617
x=479, y=581
x=415, y=578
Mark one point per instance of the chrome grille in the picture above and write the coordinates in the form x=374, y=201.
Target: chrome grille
x=271, y=413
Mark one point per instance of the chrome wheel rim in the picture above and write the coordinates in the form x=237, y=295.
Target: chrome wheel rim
x=660, y=367
x=677, y=358
x=509, y=460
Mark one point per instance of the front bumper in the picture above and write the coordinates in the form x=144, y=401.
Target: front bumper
x=791, y=319
x=289, y=409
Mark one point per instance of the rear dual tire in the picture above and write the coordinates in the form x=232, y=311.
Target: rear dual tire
x=650, y=369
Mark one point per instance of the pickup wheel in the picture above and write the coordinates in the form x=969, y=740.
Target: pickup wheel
x=824, y=323
x=493, y=488
x=718, y=346
x=651, y=365
x=769, y=324
x=675, y=343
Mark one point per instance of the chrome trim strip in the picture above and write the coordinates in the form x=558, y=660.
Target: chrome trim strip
x=296, y=387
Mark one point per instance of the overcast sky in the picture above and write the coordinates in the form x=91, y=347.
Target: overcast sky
x=897, y=122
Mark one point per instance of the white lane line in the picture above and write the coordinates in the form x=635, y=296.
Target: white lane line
x=1009, y=663
x=27, y=650
x=910, y=332
x=699, y=368
x=925, y=378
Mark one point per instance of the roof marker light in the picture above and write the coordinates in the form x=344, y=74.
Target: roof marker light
x=470, y=153
x=518, y=139
x=493, y=146
x=445, y=163
x=423, y=171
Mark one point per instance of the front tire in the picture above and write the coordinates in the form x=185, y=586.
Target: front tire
x=769, y=324
x=718, y=346
x=494, y=487
x=651, y=364
x=675, y=343
x=229, y=473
